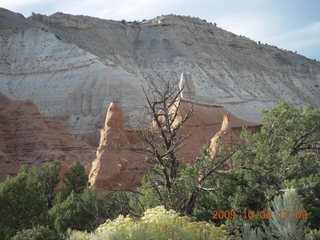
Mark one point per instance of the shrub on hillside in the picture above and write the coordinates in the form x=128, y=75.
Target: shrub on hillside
x=21, y=204
x=288, y=228
x=37, y=233
x=156, y=224
x=79, y=211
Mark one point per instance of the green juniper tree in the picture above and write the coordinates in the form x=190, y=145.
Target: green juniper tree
x=282, y=155
x=82, y=211
x=22, y=204
x=75, y=180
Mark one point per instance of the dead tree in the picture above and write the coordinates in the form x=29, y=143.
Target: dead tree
x=162, y=139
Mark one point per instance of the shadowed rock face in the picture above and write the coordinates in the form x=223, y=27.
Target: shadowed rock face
x=26, y=137
x=13, y=21
x=72, y=67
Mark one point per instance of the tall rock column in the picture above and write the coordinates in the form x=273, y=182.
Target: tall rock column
x=112, y=133
x=226, y=136
x=188, y=88
x=104, y=169
x=113, y=155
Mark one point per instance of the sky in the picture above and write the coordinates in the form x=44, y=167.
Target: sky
x=288, y=24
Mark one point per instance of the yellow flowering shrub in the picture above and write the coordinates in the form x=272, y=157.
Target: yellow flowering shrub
x=77, y=235
x=156, y=224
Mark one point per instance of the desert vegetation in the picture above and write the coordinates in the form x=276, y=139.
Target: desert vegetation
x=275, y=170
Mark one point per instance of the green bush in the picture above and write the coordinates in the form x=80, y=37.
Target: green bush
x=21, y=204
x=75, y=180
x=156, y=224
x=83, y=211
x=287, y=228
x=250, y=233
x=37, y=233
x=31, y=199
x=282, y=155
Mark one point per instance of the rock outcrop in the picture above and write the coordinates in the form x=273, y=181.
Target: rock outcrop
x=115, y=156
x=58, y=19
x=64, y=81
x=227, y=69
x=228, y=136
x=72, y=67
x=204, y=124
x=187, y=88
x=26, y=137
x=109, y=170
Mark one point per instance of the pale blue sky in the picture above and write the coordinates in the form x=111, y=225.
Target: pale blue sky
x=289, y=24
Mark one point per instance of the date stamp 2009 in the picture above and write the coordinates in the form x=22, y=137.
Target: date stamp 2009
x=260, y=214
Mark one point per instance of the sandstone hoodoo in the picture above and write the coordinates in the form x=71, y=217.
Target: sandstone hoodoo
x=204, y=125
x=26, y=137
x=117, y=164
x=227, y=136
x=113, y=157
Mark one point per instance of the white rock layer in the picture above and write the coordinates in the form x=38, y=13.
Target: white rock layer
x=187, y=88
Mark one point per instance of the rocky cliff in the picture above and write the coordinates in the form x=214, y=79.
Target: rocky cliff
x=227, y=69
x=26, y=137
x=72, y=67
x=63, y=80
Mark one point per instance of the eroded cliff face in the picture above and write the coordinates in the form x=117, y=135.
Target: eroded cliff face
x=227, y=69
x=26, y=137
x=64, y=81
x=72, y=67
